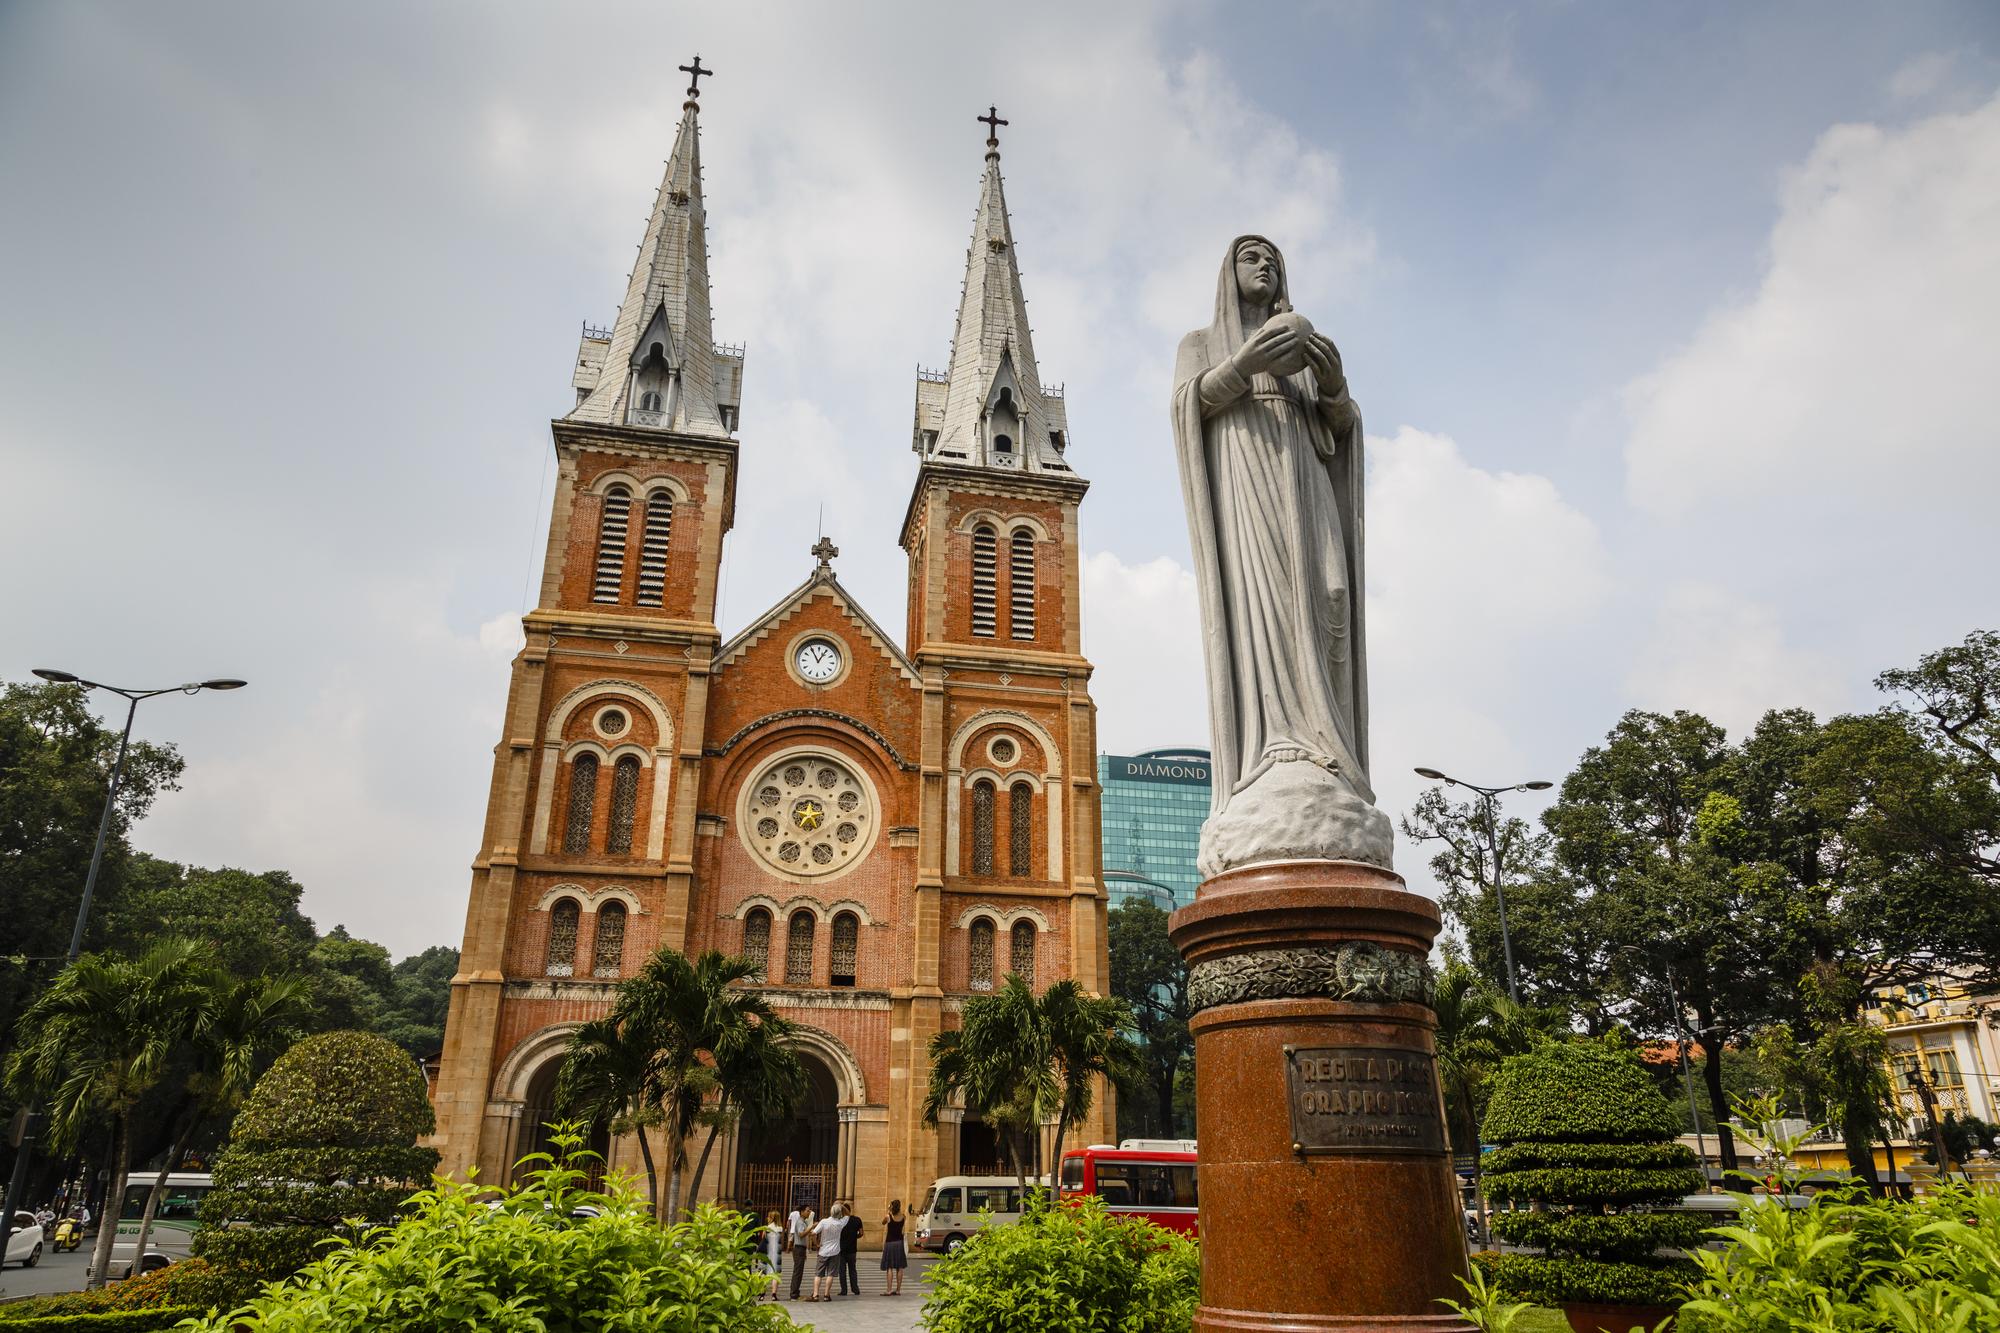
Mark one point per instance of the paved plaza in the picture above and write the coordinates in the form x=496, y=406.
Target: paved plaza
x=871, y=1312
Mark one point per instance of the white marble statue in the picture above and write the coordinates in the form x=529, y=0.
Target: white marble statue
x=1269, y=444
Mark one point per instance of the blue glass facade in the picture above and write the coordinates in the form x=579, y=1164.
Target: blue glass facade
x=1153, y=807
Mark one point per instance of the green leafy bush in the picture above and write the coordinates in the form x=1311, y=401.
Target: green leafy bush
x=526, y=1265
x=1586, y=1146
x=102, y=1321
x=1067, y=1269
x=1853, y=1265
x=326, y=1142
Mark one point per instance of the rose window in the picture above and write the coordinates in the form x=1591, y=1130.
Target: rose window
x=808, y=815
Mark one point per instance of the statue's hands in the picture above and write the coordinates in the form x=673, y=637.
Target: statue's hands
x=1269, y=345
x=1324, y=358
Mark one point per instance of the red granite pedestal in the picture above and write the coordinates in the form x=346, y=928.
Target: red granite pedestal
x=1328, y=1200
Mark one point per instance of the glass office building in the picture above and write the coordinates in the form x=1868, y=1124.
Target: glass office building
x=1153, y=807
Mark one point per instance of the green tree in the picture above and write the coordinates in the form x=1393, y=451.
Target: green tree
x=758, y=1082
x=1149, y=975
x=100, y=1038
x=250, y=921
x=325, y=1146
x=606, y=1079
x=1088, y=1042
x=421, y=995
x=353, y=981
x=248, y=1020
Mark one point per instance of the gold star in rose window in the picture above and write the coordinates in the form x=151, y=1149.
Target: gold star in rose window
x=809, y=815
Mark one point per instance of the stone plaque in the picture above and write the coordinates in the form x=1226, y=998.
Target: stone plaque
x=1363, y=1099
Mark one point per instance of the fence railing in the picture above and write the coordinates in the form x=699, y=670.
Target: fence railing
x=786, y=1186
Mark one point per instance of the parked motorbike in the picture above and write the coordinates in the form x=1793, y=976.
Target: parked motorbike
x=68, y=1235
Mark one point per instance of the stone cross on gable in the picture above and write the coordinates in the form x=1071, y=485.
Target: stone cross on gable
x=826, y=551
x=694, y=73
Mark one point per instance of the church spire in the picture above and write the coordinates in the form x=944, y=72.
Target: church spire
x=990, y=408
x=658, y=365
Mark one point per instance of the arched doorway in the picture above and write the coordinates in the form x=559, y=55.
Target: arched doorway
x=983, y=1150
x=538, y=1110
x=796, y=1162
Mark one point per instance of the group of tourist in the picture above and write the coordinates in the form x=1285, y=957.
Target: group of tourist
x=836, y=1242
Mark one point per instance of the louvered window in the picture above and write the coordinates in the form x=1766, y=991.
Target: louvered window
x=611, y=545
x=757, y=942
x=653, y=548
x=985, y=572
x=582, y=804
x=982, y=828
x=1021, y=584
x=562, y=937
x=799, y=949
x=1021, y=951
x=1020, y=830
x=980, y=960
x=846, y=943
x=624, y=805
x=609, y=951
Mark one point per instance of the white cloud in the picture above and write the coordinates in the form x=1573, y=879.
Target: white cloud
x=1716, y=652
x=1858, y=374
x=1142, y=630
x=1920, y=76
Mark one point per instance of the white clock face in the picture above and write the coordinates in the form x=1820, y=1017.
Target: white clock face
x=818, y=661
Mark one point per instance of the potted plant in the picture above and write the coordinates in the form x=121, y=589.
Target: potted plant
x=1589, y=1170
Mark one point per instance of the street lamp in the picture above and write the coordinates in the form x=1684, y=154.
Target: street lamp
x=1927, y=1096
x=31, y=1126
x=1687, y=1070
x=1489, y=805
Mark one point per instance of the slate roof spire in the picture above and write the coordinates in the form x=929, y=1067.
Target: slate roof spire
x=990, y=408
x=661, y=368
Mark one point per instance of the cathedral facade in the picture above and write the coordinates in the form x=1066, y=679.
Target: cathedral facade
x=884, y=825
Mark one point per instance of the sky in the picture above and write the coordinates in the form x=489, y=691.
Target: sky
x=1674, y=328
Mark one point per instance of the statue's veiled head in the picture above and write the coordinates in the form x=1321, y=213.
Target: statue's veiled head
x=1250, y=289
x=1260, y=271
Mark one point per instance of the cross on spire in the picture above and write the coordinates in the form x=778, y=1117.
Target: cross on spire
x=694, y=73
x=991, y=120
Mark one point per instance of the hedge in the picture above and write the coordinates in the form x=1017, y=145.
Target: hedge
x=1576, y=1187
x=1628, y=1236
x=108, y=1321
x=1548, y=1280
x=1632, y=1156
x=1576, y=1092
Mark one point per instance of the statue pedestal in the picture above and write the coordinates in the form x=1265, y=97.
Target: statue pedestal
x=1328, y=1201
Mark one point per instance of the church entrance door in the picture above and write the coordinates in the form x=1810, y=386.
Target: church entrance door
x=796, y=1162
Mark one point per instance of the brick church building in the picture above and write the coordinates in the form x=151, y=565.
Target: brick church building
x=886, y=826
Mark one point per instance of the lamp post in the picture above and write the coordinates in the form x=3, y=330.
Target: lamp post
x=1489, y=805
x=1927, y=1096
x=1685, y=1036
x=31, y=1128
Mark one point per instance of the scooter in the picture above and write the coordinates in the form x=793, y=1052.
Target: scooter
x=68, y=1235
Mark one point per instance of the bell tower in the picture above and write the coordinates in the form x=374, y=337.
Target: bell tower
x=587, y=857
x=995, y=632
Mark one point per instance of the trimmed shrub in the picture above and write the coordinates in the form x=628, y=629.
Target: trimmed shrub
x=1068, y=1269
x=1587, y=1161
x=103, y=1321
x=325, y=1145
x=529, y=1263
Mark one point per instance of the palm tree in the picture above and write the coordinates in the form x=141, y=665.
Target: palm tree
x=1020, y=1062
x=690, y=1026
x=758, y=1080
x=1087, y=1041
x=251, y=1017
x=102, y=1036
x=605, y=1079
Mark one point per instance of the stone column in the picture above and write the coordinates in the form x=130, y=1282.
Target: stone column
x=1328, y=1200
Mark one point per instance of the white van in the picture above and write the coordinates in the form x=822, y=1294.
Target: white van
x=956, y=1206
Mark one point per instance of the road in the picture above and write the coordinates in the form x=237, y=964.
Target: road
x=56, y=1272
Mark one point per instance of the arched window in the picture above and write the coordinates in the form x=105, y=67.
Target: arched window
x=757, y=941
x=582, y=804
x=799, y=949
x=982, y=827
x=1021, y=951
x=624, y=804
x=1003, y=444
x=979, y=968
x=653, y=547
x=985, y=573
x=608, y=953
x=1020, y=830
x=846, y=944
x=611, y=545
x=1021, y=584
x=562, y=937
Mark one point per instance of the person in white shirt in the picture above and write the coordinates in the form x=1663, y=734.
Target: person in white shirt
x=828, y=1233
x=801, y=1232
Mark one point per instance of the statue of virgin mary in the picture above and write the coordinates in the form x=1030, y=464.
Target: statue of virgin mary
x=1269, y=445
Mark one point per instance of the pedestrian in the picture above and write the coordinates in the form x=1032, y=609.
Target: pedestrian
x=828, y=1234
x=801, y=1231
x=850, y=1246
x=894, y=1258
x=774, y=1251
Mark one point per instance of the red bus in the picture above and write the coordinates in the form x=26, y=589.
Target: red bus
x=1149, y=1178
